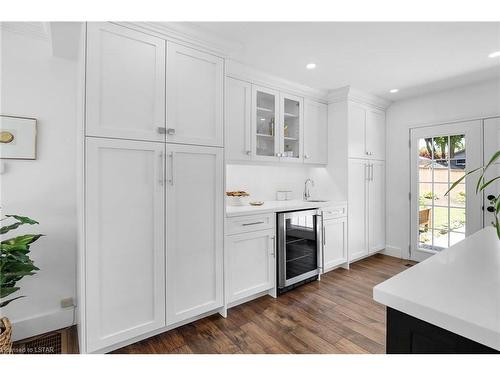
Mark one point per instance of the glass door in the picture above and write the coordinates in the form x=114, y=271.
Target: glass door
x=266, y=145
x=291, y=127
x=440, y=156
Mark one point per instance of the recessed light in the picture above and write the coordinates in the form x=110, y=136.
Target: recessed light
x=494, y=54
x=311, y=66
x=393, y=91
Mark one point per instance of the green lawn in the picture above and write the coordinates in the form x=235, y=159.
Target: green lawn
x=457, y=218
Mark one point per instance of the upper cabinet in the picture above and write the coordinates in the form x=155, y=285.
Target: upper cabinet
x=315, y=132
x=238, y=145
x=125, y=83
x=265, y=132
x=194, y=96
x=291, y=127
x=366, y=132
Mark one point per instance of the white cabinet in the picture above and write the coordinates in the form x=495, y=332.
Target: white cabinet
x=125, y=83
x=250, y=264
x=357, y=210
x=265, y=132
x=291, y=128
x=125, y=264
x=194, y=231
x=194, y=96
x=238, y=132
x=366, y=197
x=315, y=132
x=376, y=206
x=366, y=127
x=334, y=242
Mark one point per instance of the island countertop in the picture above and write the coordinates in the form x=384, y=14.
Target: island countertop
x=457, y=289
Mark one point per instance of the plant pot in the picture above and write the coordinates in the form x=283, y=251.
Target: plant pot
x=5, y=336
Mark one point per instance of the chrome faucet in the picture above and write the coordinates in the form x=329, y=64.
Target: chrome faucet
x=307, y=193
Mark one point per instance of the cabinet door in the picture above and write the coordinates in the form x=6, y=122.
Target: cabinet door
x=376, y=206
x=194, y=96
x=265, y=114
x=124, y=253
x=334, y=242
x=125, y=83
x=375, y=135
x=250, y=263
x=357, y=209
x=315, y=132
x=290, y=128
x=194, y=230
x=238, y=118
x=356, y=130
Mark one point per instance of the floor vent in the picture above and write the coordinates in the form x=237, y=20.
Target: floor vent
x=57, y=342
x=409, y=265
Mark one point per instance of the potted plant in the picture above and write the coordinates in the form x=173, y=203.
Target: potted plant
x=15, y=263
x=483, y=183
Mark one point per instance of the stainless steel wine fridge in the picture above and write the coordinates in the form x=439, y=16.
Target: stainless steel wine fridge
x=299, y=248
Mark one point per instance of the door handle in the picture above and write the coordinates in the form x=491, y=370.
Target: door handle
x=170, y=131
x=324, y=235
x=171, y=179
x=162, y=170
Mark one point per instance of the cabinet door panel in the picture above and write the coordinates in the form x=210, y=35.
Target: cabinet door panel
x=356, y=130
x=315, y=133
x=375, y=135
x=125, y=93
x=125, y=285
x=357, y=210
x=265, y=131
x=376, y=208
x=238, y=117
x=291, y=128
x=251, y=264
x=194, y=96
x=335, y=236
x=194, y=230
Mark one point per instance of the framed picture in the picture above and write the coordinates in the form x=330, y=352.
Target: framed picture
x=17, y=137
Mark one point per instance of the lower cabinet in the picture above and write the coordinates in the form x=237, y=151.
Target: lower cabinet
x=194, y=231
x=334, y=242
x=125, y=249
x=250, y=264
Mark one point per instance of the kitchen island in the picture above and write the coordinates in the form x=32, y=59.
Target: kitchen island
x=449, y=303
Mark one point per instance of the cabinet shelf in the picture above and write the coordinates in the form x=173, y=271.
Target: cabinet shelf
x=263, y=109
x=291, y=139
x=265, y=135
x=290, y=115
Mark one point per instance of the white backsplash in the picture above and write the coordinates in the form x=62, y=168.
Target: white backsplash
x=262, y=181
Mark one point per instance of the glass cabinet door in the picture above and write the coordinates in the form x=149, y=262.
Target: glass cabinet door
x=265, y=130
x=291, y=127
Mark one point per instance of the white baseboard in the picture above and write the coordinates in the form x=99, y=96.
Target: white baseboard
x=392, y=251
x=36, y=325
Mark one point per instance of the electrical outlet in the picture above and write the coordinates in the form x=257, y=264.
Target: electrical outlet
x=67, y=302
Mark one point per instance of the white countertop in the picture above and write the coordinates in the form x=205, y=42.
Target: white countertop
x=278, y=206
x=457, y=289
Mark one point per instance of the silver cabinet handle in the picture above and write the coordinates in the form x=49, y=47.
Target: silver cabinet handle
x=273, y=247
x=170, y=131
x=161, y=129
x=162, y=170
x=324, y=235
x=254, y=223
x=371, y=172
x=171, y=179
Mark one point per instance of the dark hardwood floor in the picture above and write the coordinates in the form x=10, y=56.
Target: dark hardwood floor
x=334, y=315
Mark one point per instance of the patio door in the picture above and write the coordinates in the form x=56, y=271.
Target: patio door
x=440, y=155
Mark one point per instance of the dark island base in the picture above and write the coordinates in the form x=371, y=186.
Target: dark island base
x=409, y=335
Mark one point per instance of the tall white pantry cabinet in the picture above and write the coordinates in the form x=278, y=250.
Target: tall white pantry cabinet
x=152, y=253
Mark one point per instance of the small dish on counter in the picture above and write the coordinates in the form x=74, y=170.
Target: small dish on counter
x=256, y=203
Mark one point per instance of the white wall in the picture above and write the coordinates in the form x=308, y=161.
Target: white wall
x=35, y=84
x=461, y=103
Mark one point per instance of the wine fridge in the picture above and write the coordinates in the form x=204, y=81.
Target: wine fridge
x=299, y=248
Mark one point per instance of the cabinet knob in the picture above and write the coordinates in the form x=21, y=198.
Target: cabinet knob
x=249, y=152
x=306, y=156
x=161, y=129
x=170, y=131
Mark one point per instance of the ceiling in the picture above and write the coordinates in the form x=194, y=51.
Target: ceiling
x=416, y=58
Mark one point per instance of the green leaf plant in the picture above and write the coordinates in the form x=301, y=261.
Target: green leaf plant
x=15, y=262
x=481, y=185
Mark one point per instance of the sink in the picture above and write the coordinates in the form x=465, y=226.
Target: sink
x=315, y=200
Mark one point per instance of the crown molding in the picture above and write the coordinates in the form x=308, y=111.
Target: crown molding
x=183, y=32
x=37, y=30
x=349, y=93
x=238, y=70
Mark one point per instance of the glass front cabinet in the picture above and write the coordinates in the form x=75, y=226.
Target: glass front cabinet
x=277, y=130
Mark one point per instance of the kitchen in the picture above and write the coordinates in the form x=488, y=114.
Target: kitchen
x=259, y=213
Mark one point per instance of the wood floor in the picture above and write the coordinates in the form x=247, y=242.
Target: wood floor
x=334, y=315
